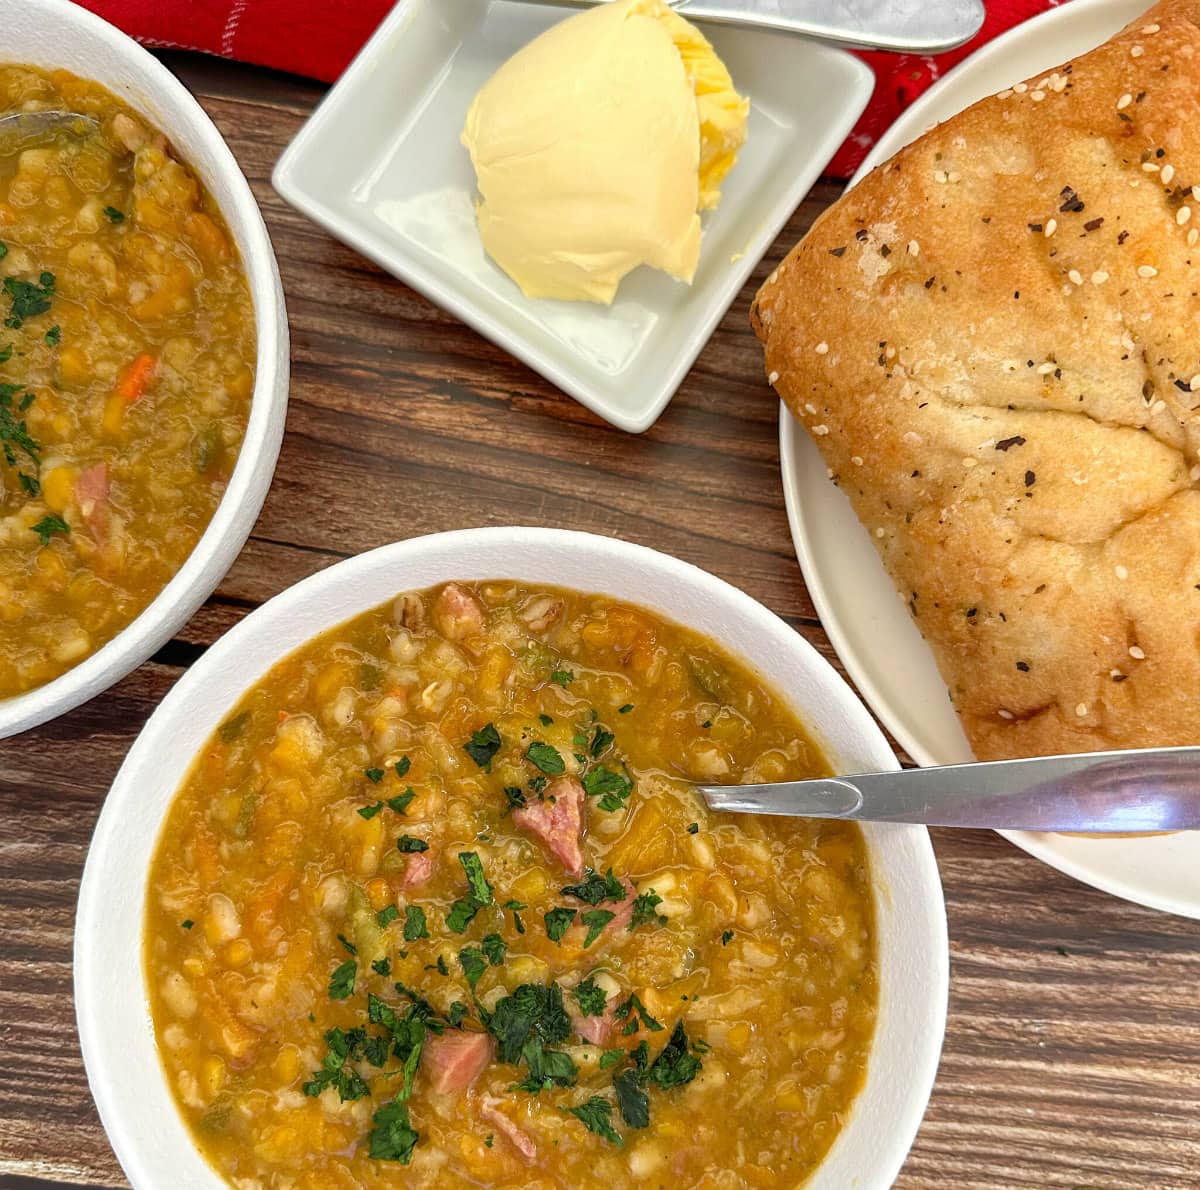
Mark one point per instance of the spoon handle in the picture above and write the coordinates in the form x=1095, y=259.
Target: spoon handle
x=1148, y=789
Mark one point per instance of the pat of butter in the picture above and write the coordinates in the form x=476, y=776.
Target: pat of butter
x=596, y=147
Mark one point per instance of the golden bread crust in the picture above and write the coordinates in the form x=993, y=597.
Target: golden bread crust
x=993, y=340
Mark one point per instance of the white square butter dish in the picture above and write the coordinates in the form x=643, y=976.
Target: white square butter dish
x=380, y=166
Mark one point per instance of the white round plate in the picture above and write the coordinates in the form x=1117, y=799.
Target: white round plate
x=867, y=624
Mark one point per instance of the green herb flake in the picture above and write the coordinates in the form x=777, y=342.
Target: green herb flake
x=545, y=720
x=53, y=336
x=610, y=1058
x=514, y=797
x=373, y=775
x=558, y=921
x=473, y=866
x=483, y=746
x=595, y=920
x=727, y=938
x=675, y=1066
x=633, y=1010
x=402, y=766
x=231, y=729
x=407, y=843
x=382, y=967
x=48, y=526
x=341, y=982
x=28, y=298
x=401, y=801
x=349, y=946
x=591, y=998
x=596, y=1116
x=457, y=1013
x=473, y=964
x=601, y=742
x=693, y=828
x=113, y=215
x=645, y=910
x=546, y=758
x=462, y=912
x=369, y=812
x=187, y=923
x=633, y=1102
x=595, y=888
x=415, y=925
x=489, y=1139
x=393, y=1137
x=560, y=677
x=625, y=709
x=387, y=915
x=610, y=786
x=495, y=948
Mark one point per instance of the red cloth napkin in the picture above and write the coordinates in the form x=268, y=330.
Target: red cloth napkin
x=319, y=37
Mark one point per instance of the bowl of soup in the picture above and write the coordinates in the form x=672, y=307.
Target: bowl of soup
x=406, y=880
x=143, y=358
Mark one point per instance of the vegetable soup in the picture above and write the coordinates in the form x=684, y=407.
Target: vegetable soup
x=126, y=370
x=439, y=894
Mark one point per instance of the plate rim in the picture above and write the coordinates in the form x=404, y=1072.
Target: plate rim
x=911, y=124
x=428, y=282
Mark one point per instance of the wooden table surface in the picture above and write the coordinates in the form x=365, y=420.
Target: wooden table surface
x=1072, y=1057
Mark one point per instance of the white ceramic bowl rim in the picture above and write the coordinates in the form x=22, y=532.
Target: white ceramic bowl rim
x=57, y=33
x=125, y=1075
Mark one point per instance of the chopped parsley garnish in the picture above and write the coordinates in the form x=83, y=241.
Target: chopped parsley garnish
x=113, y=215
x=726, y=938
x=645, y=909
x=514, y=796
x=343, y=1046
x=596, y=1116
x=373, y=775
x=595, y=888
x=489, y=1139
x=595, y=920
x=473, y=964
x=400, y=802
x=547, y=1068
x=29, y=298
x=53, y=336
x=590, y=998
x=693, y=828
x=558, y=921
x=350, y=947
x=231, y=729
x=341, y=982
x=675, y=1066
x=631, y=1011
x=632, y=1101
x=387, y=915
x=458, y=1010
x=560, y=677
x=382, y=967
x=402, y=766
x=610, y=1058
x=369, y=812
x=415, y=926
x=516, y=907
x=543, y=756
x=610, y=786
x=187, y=923
x=411, y=843
x=461, y=914
x=495, y=948
x=483, y=746
x=531, y=1010
x=473, y=866
x=48, y=526
x=625, y=709
x=545, y=720
x=393, y=1137
x=601, y=741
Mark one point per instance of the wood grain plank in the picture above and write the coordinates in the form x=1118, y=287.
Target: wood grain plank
x=1072, y=1058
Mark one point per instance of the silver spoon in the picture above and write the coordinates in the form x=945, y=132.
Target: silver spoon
x=21, y=129
x=903, y=26
x=1146, y=789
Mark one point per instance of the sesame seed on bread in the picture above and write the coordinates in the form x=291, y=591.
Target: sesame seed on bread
x=994, y=340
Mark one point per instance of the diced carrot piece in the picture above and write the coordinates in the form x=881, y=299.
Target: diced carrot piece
x=136, y=377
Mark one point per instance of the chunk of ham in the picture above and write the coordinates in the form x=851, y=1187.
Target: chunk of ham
x=91, y=494
x=521, y=1140
x=596, y=1029
x=557, y=821
x=457, y=613
x=622, y=914
x=418, y=868
x=455, y=1060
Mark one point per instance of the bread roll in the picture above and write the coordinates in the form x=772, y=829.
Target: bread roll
x=994, y=340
